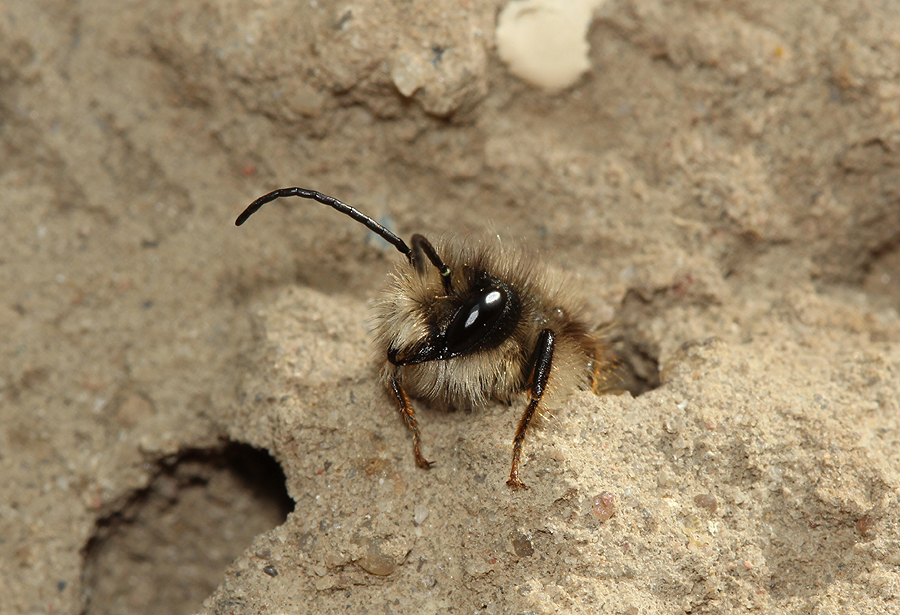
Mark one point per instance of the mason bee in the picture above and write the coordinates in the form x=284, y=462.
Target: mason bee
x=464, y=322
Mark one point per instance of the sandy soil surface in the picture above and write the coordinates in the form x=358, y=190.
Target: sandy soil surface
x=724, y=181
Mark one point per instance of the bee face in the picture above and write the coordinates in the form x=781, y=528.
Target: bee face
x=463, y=322
x=480, y=322
x=476, y=315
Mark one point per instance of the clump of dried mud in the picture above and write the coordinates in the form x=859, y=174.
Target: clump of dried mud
x=725, y=181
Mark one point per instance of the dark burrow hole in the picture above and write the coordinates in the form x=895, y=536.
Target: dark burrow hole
x=638, y=367
x=637, y=357
x=167, y=549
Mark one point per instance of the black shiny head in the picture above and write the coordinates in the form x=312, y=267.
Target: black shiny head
x=481, y=322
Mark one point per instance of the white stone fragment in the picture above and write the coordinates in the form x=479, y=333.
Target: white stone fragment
x=544, y=41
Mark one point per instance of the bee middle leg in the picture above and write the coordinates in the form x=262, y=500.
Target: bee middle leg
x=409, y=415
x=542, y=361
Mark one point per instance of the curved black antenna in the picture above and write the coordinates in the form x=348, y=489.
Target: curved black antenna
x=335, y=204
x=423, y=246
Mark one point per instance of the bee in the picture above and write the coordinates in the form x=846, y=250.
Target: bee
x=464, y=322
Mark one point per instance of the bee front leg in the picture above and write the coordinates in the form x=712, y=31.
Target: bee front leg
x=409, y=415
x=541, y=362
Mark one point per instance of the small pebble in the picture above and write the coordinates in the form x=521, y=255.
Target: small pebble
x=865, y=524
x=604, y=507
x=420, y=514
x=522, y=545
x=707, y=501
x=376, y=561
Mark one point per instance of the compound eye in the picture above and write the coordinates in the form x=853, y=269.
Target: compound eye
x=474, y=321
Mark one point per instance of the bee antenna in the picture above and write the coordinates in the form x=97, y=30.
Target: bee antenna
x=334, y=204
x=423, y=246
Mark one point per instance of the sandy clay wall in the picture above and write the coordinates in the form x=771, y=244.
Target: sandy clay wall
x=190, y=414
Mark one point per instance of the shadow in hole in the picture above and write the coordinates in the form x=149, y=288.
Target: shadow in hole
x=167, y=549
x=637, y=365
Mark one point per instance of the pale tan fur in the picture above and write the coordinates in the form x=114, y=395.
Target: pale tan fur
x=412, y=302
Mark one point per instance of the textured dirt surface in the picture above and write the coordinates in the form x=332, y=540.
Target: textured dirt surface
x=725, y=181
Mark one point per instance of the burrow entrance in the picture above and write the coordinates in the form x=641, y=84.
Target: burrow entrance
x=168, y=548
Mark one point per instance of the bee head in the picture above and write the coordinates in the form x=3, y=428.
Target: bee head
x=476, y=311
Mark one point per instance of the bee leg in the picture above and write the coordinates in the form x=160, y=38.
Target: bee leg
x=541, y=361
x=409, y=415
x=605, y=370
